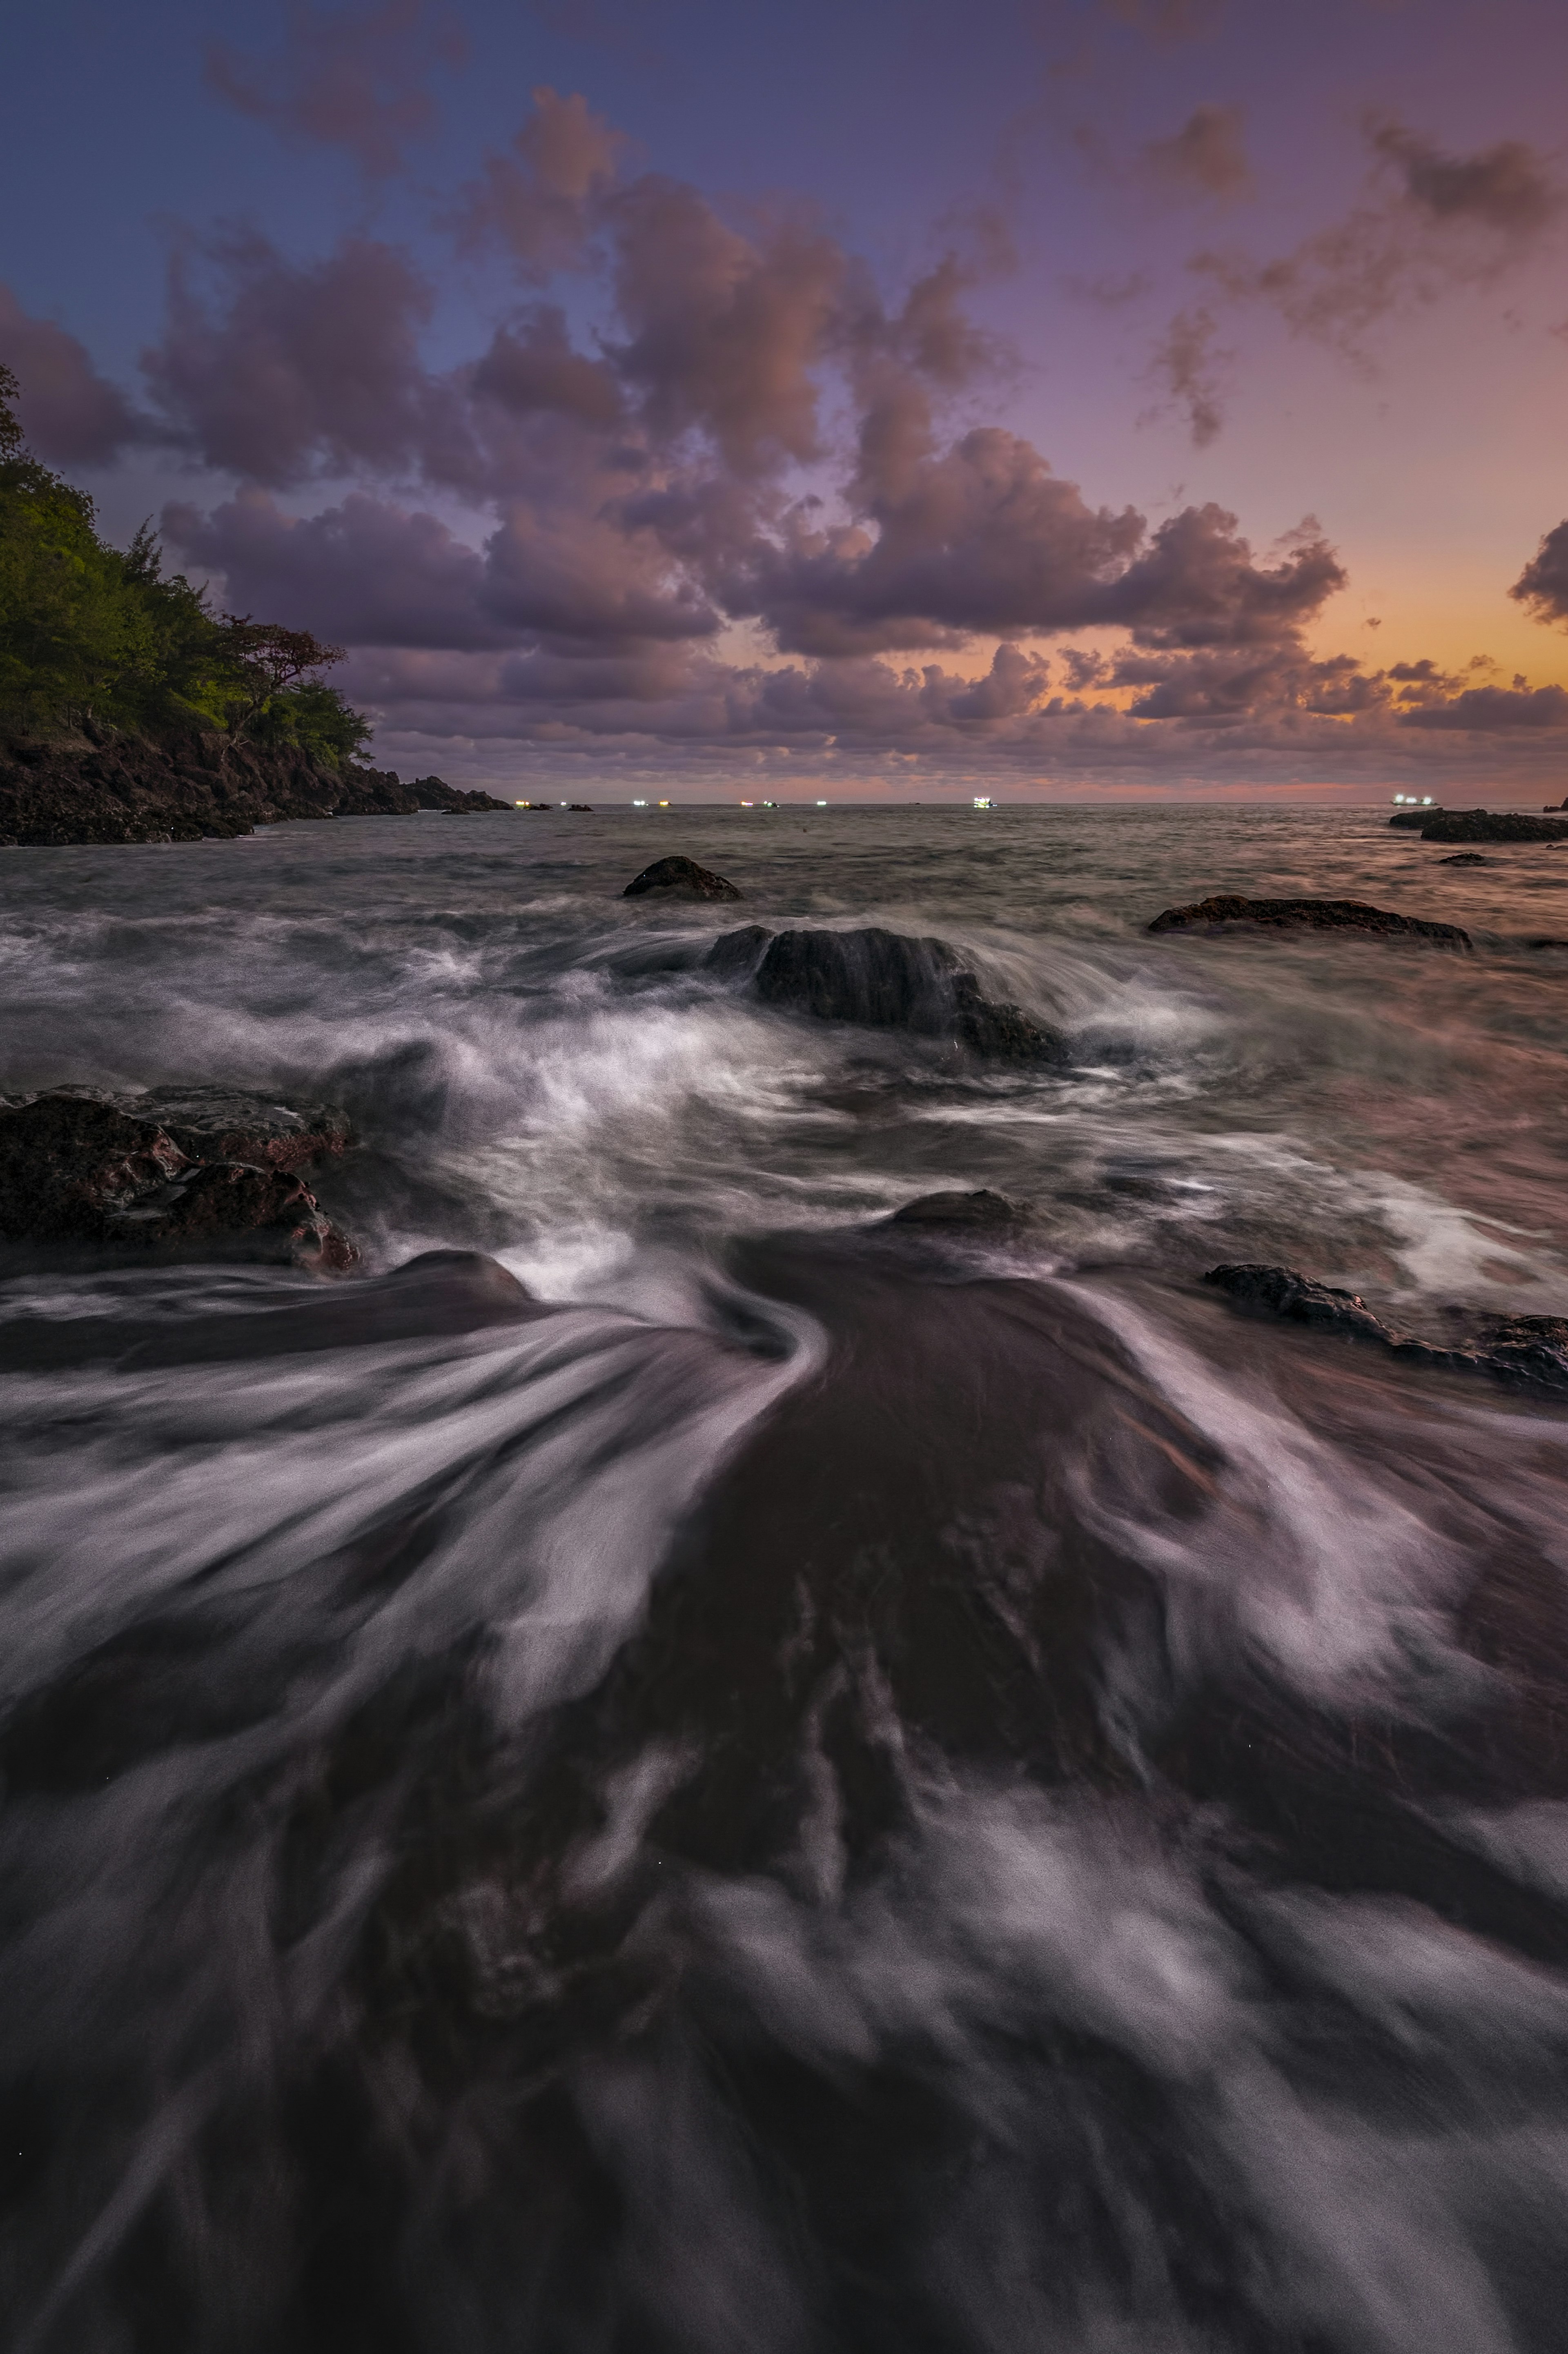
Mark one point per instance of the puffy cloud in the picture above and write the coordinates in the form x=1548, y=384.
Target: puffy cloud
x=723, y=332
x=357, y=79
x=985, y=538
x=363, y=573
x=1542, y=585
x=70, y=414
x=1494, y=710
x=535, y=201
x=294, y=369
x=1207, y=157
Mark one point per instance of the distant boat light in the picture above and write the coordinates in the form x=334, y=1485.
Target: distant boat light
x=983, y=800
x=639, y=804
x=822, y=805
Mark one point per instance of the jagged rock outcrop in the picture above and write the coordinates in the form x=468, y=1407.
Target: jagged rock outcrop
x=1530, y=1352
x=884, y=981
x=1491, y=825
x=123, y=789
x=680, y=878
x=1413, y=819
x=199, y=1175
x=1466, y=858
x=1304, y=915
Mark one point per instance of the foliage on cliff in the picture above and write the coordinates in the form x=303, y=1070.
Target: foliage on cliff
x=91, y=633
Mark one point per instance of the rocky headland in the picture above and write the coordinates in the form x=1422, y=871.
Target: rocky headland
x=114, y=787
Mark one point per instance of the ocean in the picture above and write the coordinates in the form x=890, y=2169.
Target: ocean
x=702, y=1771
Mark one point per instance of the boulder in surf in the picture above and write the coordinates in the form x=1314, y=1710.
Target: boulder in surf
x=1305, y=915
x=885, y=981
x=680, y=878
x=1491, y=825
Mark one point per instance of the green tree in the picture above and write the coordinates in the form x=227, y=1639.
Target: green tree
x=88, y=630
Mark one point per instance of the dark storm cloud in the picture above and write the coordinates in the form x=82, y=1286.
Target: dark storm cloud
x=1207, y=157
x=70, y=414
x=1542, y=585
x=355, y=79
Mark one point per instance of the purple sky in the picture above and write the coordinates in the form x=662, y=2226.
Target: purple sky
x=1091, y=397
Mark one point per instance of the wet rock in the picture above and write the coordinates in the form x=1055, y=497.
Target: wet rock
x=1491, y=825
x=1409, y=819
x=736, y=953
x=983, y=1210
x=435, y=793
x=1530, y=1352
x=1305, y=915
x=885, y=982
x=77, y=1168
x=682, y=878
x=1466, y=858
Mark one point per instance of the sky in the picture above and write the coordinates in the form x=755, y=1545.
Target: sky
x=1057, y=399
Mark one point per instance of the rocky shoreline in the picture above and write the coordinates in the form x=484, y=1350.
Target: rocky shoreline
x=106, y=786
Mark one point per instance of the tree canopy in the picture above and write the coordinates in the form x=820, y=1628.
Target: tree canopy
x=94, y=632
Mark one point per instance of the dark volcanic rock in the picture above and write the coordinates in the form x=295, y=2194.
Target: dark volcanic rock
x=81, y=1169
x=682, y=878
x=1408, y=817
x=737, y=952
x=1527, y=1351
x=984, y=1210
x=1304, y=915
x=1465, y=858
x=121, y=788
x=1492, y=825
x=886, y=981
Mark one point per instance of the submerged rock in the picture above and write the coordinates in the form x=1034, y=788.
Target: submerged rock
x=1491, y=825
x=681, y=878
x=1305, y=915
x=884, y=981
x=1527, y=1351
x=1465, y=858
x=217, y=1175
x=982, y=1209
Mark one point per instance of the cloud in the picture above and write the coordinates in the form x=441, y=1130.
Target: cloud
x=1542, y=585
x=281, y=371
x=1207, y=157
x=1187, y=365
x=1494, y=710
x=355, y=79
x=362, y=573
x=1430, y=223
x=1506, y=188
x=70, y=415
x=536, y=202
x=747, y=514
